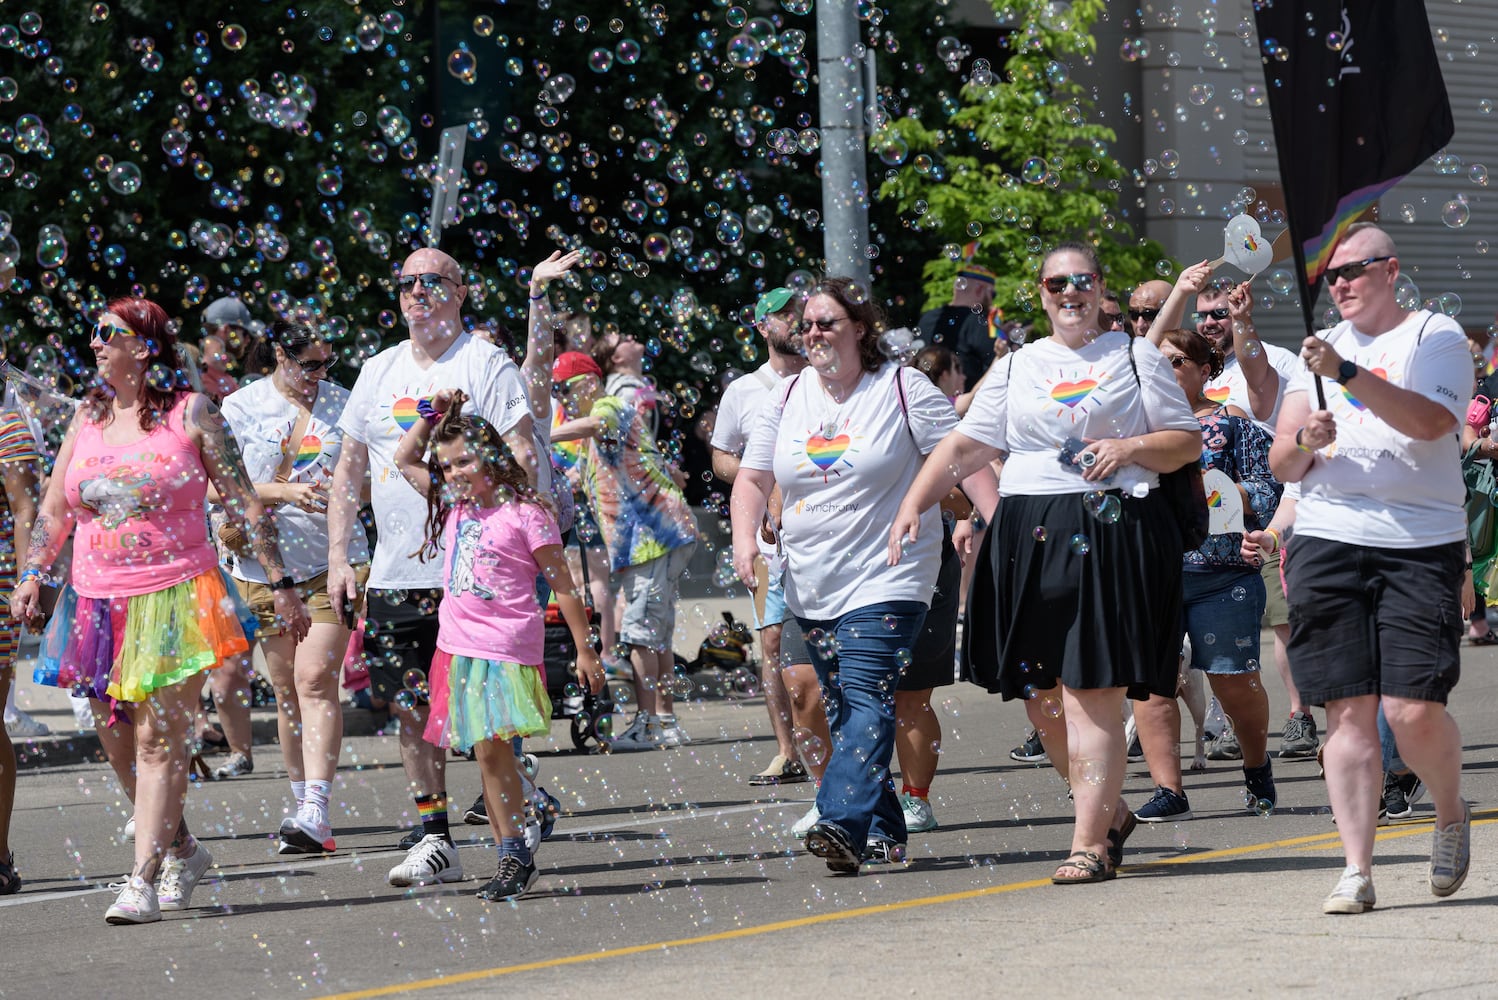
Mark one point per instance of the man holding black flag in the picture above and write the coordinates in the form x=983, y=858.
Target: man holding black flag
x=1379, y=555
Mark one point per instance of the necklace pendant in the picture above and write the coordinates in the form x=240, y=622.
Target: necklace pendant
x=829, y=429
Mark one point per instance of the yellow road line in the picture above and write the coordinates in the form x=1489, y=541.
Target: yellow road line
x=1316, y=842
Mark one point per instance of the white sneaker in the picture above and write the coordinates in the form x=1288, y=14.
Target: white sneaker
x=646, y=736
x=812, y=817
x=432, y=860
x=919, y=816
x=129, y=831
x=136, y=903
x=308, y=832
x=23, y=726
x=672, y=735
x=1353, y=894
x=179, y=876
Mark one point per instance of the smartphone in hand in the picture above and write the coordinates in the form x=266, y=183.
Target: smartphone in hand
x=347, y=611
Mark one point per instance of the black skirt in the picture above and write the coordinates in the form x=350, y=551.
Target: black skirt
x=1069, y=598
x=933, y=658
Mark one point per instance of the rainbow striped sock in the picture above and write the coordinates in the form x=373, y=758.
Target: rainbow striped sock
x=433, y=812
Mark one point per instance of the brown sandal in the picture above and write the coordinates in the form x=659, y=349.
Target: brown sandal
x=1094, y=869
x=1116, y=838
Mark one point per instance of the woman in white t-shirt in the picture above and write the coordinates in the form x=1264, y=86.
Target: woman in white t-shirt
x=1082, y=590
x=293, y=476
x=843, y=440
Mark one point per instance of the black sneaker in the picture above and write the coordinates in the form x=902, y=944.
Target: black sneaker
x=412, y=837
x=477, y=815
x=1032, y=751
x=1135, y=751
x=1258, y=789
x=879, y=851
x=828, y=842
x=512, y=880
x=1165, y=807
x=1300, y=741
x=1396, y=802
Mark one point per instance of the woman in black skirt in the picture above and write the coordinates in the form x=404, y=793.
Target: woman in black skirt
x=1082, y=596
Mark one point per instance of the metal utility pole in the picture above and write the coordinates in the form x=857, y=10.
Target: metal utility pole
x=840, y=103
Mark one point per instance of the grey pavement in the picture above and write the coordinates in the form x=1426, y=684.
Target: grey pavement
x=670, y=874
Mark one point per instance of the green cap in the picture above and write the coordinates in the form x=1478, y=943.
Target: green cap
x=772, y=302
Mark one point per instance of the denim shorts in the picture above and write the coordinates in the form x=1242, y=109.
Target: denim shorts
x=649, y=590
x=775, y=610
x=1220, y=613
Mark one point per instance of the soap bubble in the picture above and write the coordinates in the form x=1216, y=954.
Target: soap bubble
x=124, y=178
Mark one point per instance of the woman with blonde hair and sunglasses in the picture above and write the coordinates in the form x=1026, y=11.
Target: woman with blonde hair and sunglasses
x=1078, y=594
x=148, y=611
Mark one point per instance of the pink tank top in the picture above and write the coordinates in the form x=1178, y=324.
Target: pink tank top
x=142, y=524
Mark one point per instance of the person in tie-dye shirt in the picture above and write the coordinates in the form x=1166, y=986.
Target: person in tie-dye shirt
x=648, y=529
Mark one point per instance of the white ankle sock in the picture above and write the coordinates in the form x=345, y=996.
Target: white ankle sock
x=299, y=792
x=317, y=794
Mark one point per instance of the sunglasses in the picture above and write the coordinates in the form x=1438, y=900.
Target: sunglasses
x=312, y=365
x=1112, y=317
x=1347, y=272
x=431, y=281
x=562, y=389
x=822, y=324
x=1179, y=360
x=1138, y=314
x=1219, y=313
x=108, y=331
x=1082, y=282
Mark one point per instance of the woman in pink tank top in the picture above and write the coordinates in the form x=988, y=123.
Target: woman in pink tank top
x=148, y=610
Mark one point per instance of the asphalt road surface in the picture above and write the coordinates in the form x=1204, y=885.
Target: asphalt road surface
x=669, y=875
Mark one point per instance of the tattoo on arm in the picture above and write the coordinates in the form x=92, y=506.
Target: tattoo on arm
x=225, y=464
x=41, y=543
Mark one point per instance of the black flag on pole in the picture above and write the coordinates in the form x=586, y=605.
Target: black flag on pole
x=1357, y=100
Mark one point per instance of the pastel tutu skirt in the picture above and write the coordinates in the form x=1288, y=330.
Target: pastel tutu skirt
x=124, y=648
x=475, y=700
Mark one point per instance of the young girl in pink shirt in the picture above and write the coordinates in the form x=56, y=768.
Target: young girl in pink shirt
x=494, y=536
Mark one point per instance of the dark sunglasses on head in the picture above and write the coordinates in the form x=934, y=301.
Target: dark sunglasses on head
x=1138, y=314
x=1057, y=285
x=1347, y=272
x=823, y=323
x=108, y=331
x=1219, y=313
x=311, y=365
x=431, y=281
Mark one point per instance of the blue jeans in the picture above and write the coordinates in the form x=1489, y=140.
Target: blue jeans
x=1392, y=760
x=858, y=680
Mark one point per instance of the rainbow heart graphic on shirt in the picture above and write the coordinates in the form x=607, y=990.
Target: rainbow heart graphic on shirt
x=824, y=452
x=403, y=412
x=308, y=453
x=1214, y=499
x=1357, y=403
x=1069, y=394
x=1219, y=394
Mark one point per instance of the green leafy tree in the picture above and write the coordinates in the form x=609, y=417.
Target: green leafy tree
x=1017, y=166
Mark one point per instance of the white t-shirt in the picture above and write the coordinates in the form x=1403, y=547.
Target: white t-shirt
x=382, y=406
x=1029, y=408
x=739, y=409
x=262, y=421
x=1232, y=388
x=1374, y=486
x=843, y=471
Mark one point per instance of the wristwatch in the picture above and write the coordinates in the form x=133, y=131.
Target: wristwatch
x=1345, y=371
x=285, y=583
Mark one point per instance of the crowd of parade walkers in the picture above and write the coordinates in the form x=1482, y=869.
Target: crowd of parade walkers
x=1090, y=521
